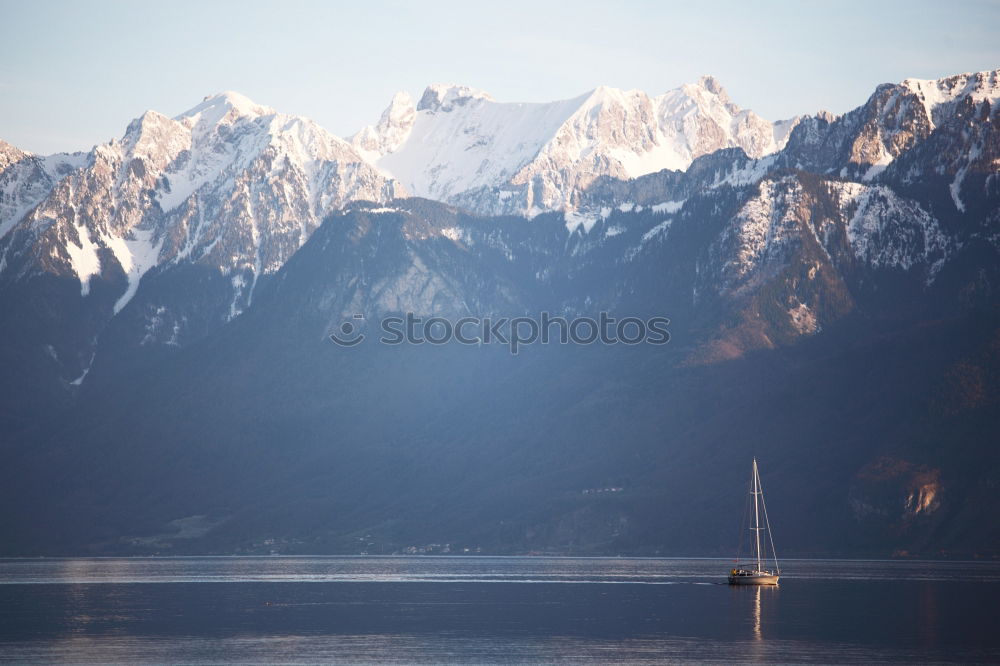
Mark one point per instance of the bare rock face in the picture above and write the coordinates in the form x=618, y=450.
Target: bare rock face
x=895, y=121
x=444, y=97
x=799, y=251
x=896, y=494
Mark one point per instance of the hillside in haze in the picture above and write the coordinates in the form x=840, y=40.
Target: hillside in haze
x=832, y=285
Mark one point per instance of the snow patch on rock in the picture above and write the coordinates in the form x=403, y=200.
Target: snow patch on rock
x=83, y=257
x=887, y=231
x=136, y=255
x=668, y=206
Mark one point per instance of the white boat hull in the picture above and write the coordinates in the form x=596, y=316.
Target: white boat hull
x=754, y=579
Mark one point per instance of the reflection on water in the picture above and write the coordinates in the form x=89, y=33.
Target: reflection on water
x=467, y=569
x=476, y=610
x=755, y=600
x=756, y=615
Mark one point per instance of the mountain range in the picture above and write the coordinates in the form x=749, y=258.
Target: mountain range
x=831, y=281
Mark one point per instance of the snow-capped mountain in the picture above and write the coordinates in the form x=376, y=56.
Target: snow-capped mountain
x=897, y=119
x=230, y=189
x=229, y=183
x=460, y=146
x=26, y=179
x=168, y=299
x=169, y=230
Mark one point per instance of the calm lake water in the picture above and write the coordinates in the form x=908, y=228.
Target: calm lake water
x=356, y=610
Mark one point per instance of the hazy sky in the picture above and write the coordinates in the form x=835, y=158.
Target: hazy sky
x=75, y=73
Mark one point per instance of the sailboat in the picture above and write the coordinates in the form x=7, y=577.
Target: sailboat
x=756, y=570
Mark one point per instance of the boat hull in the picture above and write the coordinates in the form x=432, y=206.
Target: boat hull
x=754, y=579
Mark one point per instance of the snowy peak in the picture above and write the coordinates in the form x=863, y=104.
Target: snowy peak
x=459, y=141
x=460, y=146
x=225, y=106
x=899, y=119
x=10, y=154
x=230, y=185
x=223, y=110
x=26, y=179
x=228, y=133
x=607, y=95
x=392, y=129
x=709, y=120
x=609, y=117
x=939, y=94
x=709, y=92
x=156, y=138
x=445, y=97
x=712, y=85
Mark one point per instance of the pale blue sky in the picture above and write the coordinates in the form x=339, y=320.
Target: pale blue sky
x=75, y=73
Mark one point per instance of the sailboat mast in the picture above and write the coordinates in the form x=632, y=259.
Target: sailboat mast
x=756, y=511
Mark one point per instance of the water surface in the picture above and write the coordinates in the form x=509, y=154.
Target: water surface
x=491, y=610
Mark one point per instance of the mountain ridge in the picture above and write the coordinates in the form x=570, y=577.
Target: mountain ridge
x=168, y=298
x=605, y=131
x=237, y=187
